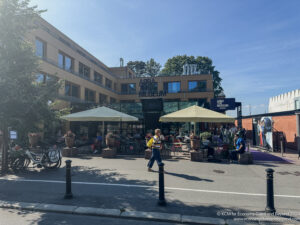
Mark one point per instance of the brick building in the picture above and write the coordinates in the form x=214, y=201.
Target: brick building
x=89, y=82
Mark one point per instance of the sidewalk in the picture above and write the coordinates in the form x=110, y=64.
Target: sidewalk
x=290, y=157
x=145, y=216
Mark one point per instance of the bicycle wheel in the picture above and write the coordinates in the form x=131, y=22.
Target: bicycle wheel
x=17, y=164
x=52, y=165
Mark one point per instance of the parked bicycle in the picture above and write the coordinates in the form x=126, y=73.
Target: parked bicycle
x=47, y=158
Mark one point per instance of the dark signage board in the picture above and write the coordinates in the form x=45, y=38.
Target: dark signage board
x=222, y=104
x=148, y=88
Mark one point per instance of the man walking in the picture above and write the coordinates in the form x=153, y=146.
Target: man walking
x=155, y=146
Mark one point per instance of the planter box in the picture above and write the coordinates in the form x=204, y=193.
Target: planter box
x=109, y=153
x=245, y=158
x=69, y=152
x=198, y=156
x=148, y=153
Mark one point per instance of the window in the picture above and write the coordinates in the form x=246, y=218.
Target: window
x=102, y=99
x=84, y=70
x=72, y=89
x=98, y=77
x=108, y=83
x=172, y=87
x=113, y=100
x=128, y=88
x=42, y=78
x=89, y=95
x=297, y=104
x=115, y=86
x=65, y=62
x=197, y=86
x=40, y=48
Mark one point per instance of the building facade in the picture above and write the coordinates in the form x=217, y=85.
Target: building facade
x=285, y=102
x=89, y=82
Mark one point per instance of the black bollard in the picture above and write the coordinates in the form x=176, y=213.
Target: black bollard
x=161, y=200
x=68, y=194
x=270, y=192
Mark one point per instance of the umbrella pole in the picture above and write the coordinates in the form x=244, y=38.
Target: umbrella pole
x=195, y=128
x=103, y=132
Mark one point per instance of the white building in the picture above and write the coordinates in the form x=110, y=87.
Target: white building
x=285, y=102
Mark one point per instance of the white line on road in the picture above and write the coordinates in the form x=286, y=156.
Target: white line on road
x=146, y=186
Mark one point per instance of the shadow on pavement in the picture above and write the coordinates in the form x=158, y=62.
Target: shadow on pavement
x=188, y=177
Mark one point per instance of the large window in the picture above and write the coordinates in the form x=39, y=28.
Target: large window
x=98, y=77
x=102, y=99
x=72, y=90
x=84, y=70
x=128, y=88
x=172, y=87
x=40, y=48
x=43, y=78
x=297, y=104
x=112, y=100
x=108, y=83
x=197, y=86
x=89, y=95
x=65, y=62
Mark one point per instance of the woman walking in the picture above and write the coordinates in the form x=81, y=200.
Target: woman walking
x=155, y=145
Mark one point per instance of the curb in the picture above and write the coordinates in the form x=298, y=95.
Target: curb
x=117, y=213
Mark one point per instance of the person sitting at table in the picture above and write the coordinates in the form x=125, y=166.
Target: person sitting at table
x=240, y=147
x=210, y=149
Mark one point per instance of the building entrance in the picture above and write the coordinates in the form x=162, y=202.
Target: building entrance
x=152, y=110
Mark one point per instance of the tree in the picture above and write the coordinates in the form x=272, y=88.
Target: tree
x=145, y=69
x=138, y=67
x=152, y=68
x=174, y=66
x=24, y=104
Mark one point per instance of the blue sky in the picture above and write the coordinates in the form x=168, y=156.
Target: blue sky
x=255, y=44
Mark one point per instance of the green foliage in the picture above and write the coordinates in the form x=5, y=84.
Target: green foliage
x=144, y=69
x=174, y=66
x=24, y=104
x=152, y=68
x=138, y=67
x=205, y=135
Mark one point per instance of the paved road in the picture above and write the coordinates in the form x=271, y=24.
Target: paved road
x=13, y=217
x=192, y=188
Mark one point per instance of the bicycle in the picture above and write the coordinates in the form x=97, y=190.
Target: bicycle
x=49, y=159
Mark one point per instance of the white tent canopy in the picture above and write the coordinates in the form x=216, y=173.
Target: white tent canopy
x=100, y=114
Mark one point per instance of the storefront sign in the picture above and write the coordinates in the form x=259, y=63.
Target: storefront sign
x=223, y=104
x=148, y=88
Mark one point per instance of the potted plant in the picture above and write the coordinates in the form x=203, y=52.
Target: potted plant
x=69, y=139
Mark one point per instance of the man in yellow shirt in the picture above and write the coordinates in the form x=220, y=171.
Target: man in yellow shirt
x=156, y=146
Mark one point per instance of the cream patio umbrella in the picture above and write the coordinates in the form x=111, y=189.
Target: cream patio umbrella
x=103, y=114
x=197, y=114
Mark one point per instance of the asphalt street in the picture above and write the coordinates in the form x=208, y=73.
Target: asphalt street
x=192, y=188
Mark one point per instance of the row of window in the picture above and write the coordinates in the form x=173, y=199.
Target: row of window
x=67, y=63
x=169, y=87
x=73, y=90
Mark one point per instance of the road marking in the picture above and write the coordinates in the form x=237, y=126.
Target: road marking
x=146, y=186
